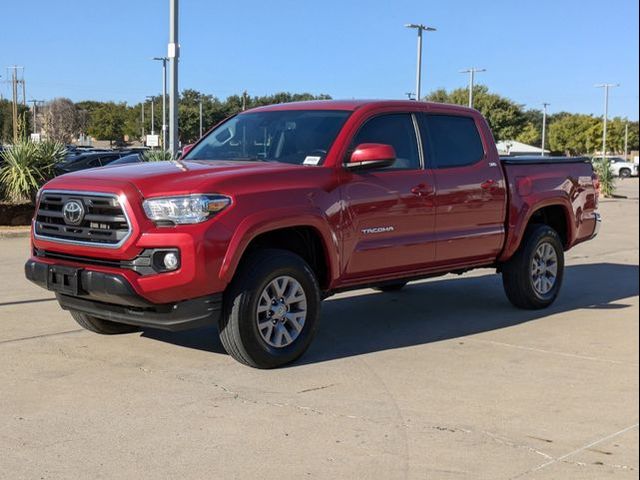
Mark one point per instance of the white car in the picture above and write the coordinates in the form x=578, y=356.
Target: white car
x=620, y=167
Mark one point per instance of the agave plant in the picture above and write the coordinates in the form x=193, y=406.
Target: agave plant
x=157, y=155
x=26, y=167
x=605, y=175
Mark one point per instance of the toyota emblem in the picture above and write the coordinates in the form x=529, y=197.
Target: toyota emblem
x=73, y=212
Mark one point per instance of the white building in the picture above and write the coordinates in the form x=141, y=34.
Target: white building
x=511, y=147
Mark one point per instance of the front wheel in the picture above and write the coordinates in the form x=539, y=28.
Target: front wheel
x=271, y=309
x=624, y=173
x=533, y=276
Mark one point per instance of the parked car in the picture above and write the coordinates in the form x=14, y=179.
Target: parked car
x=83, y=160
x=127, y=159
x=284, y=205
x=620, y=167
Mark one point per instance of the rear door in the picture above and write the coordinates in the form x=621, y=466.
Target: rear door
x=470, y=196
x=389, y=211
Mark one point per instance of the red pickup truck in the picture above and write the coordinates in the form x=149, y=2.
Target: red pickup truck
x=279, y=207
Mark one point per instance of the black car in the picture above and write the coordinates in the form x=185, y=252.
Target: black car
x=130, y=158
x=82, y=161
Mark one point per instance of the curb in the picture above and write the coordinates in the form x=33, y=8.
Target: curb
x=15, y=233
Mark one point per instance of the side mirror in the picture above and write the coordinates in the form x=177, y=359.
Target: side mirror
x=372, y=155
x=186, y=149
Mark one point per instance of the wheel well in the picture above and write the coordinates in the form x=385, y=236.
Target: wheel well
x=555, y=217
x=303, y=241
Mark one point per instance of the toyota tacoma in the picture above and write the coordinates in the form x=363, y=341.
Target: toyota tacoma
x=279, y=207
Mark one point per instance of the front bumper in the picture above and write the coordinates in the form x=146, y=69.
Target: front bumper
x=110, y=296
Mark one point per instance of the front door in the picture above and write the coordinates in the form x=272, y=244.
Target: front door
x=389, y=211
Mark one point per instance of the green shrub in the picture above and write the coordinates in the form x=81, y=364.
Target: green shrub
x=605, y=175
x=157, y=155
x=26, y=167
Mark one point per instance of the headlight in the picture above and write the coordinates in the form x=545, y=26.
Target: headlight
x=185, y=209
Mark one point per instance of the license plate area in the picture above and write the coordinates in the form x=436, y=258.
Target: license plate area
x=63, y=279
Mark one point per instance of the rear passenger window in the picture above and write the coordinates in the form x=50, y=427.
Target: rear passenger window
x=396, y=130
x=450, y=141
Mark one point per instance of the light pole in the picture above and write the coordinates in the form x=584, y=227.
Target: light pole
x=544, y=126
x=626, y=140
x=420, y=28
x=472, y=75
x=164, y=100
x=149, y=97
x=142, y=118
x=606, y=87
x=173, y=53
x=200, y=108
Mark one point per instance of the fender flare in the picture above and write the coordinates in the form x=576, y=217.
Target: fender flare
x=516, y=232
x=278, y=218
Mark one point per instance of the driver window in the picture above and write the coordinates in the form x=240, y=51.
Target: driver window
x=396, y=130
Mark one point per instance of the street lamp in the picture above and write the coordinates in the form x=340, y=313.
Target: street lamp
x=544, y=125
x=420, y=28
x=472, y=73
x=164, y=99
x=606, y=87
x=152, y=98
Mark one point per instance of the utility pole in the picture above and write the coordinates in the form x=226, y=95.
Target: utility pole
x=142, y=115
x=149, y=97
x=606, y=87
x=164, y=100
x=173, y=53
x=244, y=100
x=35, y=113
x=15, y=81
x=472, y=73
x=420, y=28
x=200, y=110
x=544, y=126
x=626, y=140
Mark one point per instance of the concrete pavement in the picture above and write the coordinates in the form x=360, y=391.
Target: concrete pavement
x=442, y=380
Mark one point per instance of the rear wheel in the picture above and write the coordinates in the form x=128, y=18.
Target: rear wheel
x=390, y=287
x=104, y=327
x=271, y=309
x=533, y=276
x=624, y=173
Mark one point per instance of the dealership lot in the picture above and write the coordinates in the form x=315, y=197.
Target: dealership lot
x=441, y=380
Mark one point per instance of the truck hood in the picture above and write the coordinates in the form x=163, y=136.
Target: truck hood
x=170, y=178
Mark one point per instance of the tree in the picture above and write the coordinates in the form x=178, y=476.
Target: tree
x=108, y=121
x=575, y=134
x=61, y=120
x=506, y=118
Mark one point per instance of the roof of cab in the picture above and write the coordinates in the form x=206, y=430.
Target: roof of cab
x=351, y=105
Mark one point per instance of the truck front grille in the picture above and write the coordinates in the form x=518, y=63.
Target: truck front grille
x=95, y=219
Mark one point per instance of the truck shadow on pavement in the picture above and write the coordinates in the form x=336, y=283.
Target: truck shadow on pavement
x=430, y=311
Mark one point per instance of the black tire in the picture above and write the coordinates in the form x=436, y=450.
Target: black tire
x=517, y=272
x=390, y=287
x=104, y=327
x=624, y=173
x=238, y=326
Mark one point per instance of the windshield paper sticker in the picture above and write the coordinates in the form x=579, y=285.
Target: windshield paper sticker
x=312, y=160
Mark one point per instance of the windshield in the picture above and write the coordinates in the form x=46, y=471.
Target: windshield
x=288, y=136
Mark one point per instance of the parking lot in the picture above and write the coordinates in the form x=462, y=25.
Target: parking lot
x=444, y=379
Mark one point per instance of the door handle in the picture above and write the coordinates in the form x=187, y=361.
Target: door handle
x=488, y=184
x=422, y=190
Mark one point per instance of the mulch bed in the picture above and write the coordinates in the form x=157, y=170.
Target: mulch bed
x=16, y=213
